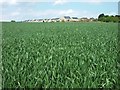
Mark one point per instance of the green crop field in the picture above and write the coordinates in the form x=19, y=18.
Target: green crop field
x=65, y=55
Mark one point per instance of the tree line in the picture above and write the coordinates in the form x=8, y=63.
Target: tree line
x=108, y=18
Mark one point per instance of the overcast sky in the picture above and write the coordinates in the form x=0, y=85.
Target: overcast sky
x=36, y=9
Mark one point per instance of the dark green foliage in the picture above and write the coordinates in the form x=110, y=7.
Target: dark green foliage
x=12, y=20
x=62, y=55
x=100, y=16
x=107, y=18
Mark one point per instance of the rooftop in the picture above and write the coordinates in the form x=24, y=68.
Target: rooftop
x=54, y=18
x=74, y=18
x=67, y=17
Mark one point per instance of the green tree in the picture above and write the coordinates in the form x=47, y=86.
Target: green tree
x=12, y=20
x=100, y=17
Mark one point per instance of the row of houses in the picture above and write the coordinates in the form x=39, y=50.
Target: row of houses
x=63, y=19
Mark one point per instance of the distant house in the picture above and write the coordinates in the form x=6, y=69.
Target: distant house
x=84, y=19
x=35, y=20
x=91, y=19
x=55, y=20
x=40, y=20
x=46, y=20
x=28, y=21
x=74, y=19
x=32, y=20
x=65, y=19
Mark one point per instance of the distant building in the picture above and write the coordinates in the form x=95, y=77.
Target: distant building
x=55, y=20
x=91, y=19
x=65, y=19
x=84, y=19
x=74, y=19
x=35, y=20
x=40, y=20
x=49, y=20
x=28, y=21
x=45, y=20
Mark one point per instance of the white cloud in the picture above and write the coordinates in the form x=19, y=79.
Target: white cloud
x=66, y=12
x=32, y=14
x=55, y=2
x=11, y=2
x=59, y=2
